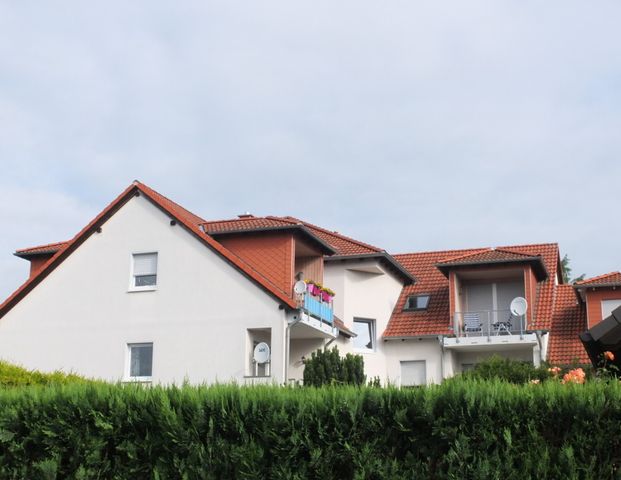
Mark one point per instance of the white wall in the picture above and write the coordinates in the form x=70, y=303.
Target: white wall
x=427, y=349
x=365, y=295
x=82, y=316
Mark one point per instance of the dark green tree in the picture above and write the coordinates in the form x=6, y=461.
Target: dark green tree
x=327, y=367
x=566, y=269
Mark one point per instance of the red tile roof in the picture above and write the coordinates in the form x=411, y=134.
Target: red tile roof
x=186, y=218
x=568, y=321
x=429, y=280
x=342, y=244
x=436, y=319
x=40, y=249
x=489, y=255
x=241, y=224
x=608, y=279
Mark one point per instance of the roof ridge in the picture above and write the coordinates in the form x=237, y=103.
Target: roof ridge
x=531, y=245
x=466, y=255
x=144, y=186
x=336, y=234
x=598, y=277
x=504, y=250
x=428, y=252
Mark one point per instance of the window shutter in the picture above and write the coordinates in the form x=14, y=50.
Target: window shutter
x=145, y=264
x=413, y=373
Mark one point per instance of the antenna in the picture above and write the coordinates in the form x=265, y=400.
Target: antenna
x=518, y=307
x=261, y=353
x=299, y=287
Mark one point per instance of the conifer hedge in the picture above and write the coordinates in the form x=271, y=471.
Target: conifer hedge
x=459, y=430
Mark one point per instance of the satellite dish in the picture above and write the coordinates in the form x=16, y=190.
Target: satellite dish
x=518, y=307
x=299, y=287
x=261, y=353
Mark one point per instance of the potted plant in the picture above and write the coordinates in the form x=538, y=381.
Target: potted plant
x=312, y=287
x=327, y=295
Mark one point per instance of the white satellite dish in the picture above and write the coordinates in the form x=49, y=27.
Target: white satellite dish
x=261, y=353
x=518, y=307
x=299, y=287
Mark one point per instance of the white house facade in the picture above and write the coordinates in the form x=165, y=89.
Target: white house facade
x=149, y=292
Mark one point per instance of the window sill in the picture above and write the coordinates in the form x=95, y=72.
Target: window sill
x=141, y=289
x=364, y=351
x=257, y=376
x=141, y=380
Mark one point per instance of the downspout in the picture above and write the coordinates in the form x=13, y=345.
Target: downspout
x=538, y=335
x=296, y=319
x=441, y=340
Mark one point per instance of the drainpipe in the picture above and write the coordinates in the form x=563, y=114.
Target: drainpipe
x=441, y=340
x=538, y=335
x=296, y=319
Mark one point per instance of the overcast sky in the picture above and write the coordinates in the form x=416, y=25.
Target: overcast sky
x=410, y=125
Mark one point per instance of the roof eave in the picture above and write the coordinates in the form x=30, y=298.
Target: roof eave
x=324, y=247
x=541, y=270
x=394, y=265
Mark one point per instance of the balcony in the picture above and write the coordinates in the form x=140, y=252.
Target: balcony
x=314, y=307
x=316, y=319
x=489, y=327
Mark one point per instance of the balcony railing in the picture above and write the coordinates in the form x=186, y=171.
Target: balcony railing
x=488, y=323
x=317, y=308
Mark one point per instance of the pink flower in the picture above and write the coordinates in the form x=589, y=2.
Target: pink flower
x=608, y=355
x=554, y=371
x=535, y=381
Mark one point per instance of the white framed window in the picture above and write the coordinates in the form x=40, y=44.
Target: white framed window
x=144, y=271
x=413, y=373
x=608, y=306
x=364, y=328
x=139, y=362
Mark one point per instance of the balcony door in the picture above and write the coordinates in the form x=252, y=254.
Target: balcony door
x=492, y=300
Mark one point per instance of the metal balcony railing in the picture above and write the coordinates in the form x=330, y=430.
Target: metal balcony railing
x=488, y=323
x=317, y=308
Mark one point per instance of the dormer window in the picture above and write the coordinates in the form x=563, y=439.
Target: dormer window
x=144, y=271
x=417, y=303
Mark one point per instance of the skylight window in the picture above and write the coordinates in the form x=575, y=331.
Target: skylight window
x=417, y=302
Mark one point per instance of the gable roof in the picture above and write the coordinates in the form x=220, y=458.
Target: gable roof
x=568, y=321
x=612, y=279
x=343, y=244
x=251, y=224
x=494, y=256
x=185, y=218
x=435, y=320
x=340, y=246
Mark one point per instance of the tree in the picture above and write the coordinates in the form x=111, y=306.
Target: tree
x=327, y=367
x=566, y=269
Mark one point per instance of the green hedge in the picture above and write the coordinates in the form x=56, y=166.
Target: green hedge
x=469, y=429
x=16, y=376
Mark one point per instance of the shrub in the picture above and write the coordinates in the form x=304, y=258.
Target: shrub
x=16, y=376
x=508, y=370
x=326, y=367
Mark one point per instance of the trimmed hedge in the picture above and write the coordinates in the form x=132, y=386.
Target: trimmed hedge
x=458, y=430
x=15, y=376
